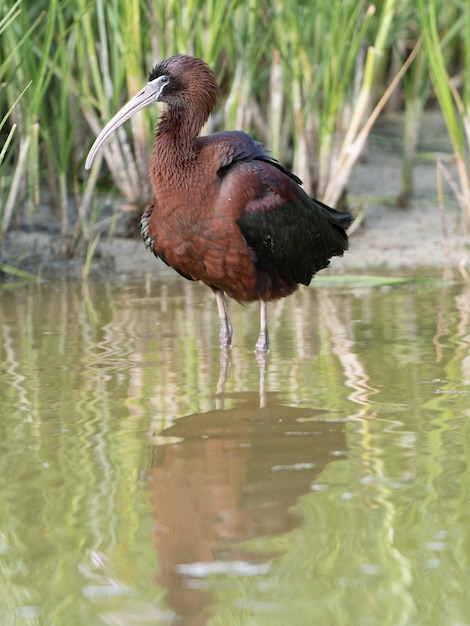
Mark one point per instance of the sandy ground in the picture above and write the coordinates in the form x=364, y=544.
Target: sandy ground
x=422, y=239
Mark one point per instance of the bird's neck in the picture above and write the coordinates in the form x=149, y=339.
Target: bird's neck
x=181, y=125
x=174, y=150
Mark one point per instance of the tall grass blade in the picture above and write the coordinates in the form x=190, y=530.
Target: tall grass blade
x=454, y=110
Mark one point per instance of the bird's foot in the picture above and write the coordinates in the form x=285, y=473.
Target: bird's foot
x=262, y=345
x=225, y=334
x=262, y=358
x=224, y=369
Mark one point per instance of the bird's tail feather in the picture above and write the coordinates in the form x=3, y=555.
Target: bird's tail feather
x=342, y=218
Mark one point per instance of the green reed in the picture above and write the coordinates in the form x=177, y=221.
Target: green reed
x=332, y=63
x=302, y=78
x=442, y=38
x=13, y=42
x=5, y=22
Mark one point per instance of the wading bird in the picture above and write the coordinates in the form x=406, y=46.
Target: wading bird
x=225, y=212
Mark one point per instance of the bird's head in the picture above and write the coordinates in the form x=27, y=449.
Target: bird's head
x=182, y=82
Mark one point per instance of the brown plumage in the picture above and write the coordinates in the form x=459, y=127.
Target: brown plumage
x=224, y=211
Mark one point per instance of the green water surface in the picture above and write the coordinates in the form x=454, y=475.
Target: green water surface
x=330, y=485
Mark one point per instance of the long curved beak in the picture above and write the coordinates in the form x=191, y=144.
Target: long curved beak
x=145, y=97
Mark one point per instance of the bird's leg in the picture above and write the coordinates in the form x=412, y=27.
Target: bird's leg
x=262, y=345
x=225, y=334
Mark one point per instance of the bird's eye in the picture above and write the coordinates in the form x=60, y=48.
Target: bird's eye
x=164, y=80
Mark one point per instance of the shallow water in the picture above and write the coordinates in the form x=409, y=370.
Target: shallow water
x=329, y=486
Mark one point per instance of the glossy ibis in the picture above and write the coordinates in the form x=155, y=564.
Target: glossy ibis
x=224, y=211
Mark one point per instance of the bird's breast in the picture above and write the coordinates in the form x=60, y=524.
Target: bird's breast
x=203, y=242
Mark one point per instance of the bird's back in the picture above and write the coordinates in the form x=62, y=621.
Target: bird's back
x=291, y=235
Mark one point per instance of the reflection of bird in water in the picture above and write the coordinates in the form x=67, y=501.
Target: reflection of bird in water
x=224, y=211
x=232, y=475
